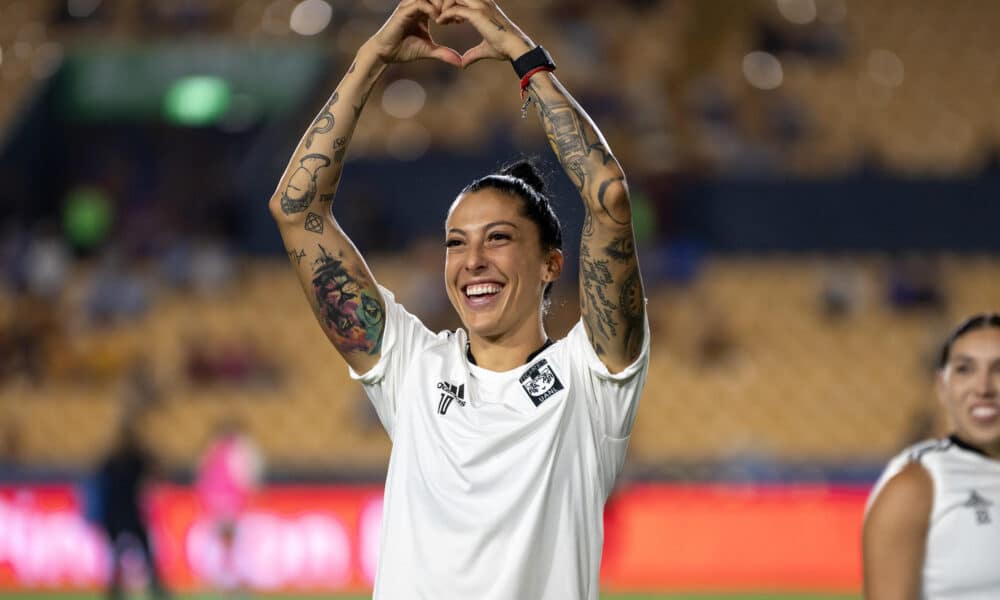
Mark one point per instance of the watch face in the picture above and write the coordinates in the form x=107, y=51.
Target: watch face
x=532, y=59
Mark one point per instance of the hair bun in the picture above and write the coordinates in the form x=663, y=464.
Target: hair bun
x=526, y=172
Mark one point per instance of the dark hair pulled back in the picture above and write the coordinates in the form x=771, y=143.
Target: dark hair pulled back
x=980, y=321
x=522, y=180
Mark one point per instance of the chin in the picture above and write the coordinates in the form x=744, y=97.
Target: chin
x=482, y=327
x=983, y=438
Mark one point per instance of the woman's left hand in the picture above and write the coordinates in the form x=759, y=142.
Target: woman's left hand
x=502, y=39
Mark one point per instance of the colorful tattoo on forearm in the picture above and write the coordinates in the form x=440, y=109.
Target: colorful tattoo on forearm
x=349, y=310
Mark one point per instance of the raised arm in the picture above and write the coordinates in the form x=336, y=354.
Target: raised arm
x=612, y=302
x=334, y=276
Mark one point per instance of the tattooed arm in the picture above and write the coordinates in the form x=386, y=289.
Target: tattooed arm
x=334, y=276
x=612, y=303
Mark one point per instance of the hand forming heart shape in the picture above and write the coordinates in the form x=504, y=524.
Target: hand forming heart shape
x=405, y=36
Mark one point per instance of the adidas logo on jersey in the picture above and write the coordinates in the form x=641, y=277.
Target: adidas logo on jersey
x=540, y=382
x=450, y=393
x=981, y=506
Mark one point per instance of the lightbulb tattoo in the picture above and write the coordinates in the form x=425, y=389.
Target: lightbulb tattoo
x=346, y=306
x=301, y=188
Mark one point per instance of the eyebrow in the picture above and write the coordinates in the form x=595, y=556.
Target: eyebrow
x=970, y=358
x=488, y=226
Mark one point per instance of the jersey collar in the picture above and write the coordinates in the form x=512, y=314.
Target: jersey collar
x=531, y=357
x=966, y=445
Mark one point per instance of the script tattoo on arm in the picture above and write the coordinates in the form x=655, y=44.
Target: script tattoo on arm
x=301, y=188
x=296, y=254
x=597, y=310
x=348, y=307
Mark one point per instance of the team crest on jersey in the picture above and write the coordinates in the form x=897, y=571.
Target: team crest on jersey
x=540, y=382
x=450, y=393
x=981, y=506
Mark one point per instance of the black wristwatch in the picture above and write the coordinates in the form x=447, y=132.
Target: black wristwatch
x=531, y=60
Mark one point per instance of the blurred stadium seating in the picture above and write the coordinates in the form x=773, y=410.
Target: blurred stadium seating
x=747, y=366
x=759, y=360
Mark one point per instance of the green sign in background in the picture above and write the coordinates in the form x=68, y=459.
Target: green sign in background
x=188, y=84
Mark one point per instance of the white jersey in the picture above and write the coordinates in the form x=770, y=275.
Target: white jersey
x=497, y=481
x=962, y=560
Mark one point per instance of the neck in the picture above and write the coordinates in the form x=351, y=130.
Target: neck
x=509, y=350
x=992, y=451
x=988, y=450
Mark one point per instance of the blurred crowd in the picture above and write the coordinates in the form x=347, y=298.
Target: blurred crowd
x=813, y=87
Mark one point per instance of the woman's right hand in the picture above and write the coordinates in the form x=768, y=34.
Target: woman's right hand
x=405, y=36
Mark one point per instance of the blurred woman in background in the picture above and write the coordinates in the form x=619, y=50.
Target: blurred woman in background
x=932, y=528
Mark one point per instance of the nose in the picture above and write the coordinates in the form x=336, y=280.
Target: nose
x=475, y=258
x=988, y=385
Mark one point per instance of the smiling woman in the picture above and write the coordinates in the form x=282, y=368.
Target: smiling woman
x=506, y=444
x=504, y=247
x=932, y=529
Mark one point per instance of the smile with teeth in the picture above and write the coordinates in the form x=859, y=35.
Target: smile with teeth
x=985, y=411
x=482, y=289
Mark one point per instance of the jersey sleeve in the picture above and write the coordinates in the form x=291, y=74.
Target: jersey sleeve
x=614, y=397
x=403, y=339
x=914, y=453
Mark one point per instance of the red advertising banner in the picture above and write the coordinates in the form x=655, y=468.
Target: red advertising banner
x=734, y=538
x=325, y=539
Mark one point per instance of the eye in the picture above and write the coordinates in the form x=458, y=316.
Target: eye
x=962, y=368
x=452, y=243
x=498, y=236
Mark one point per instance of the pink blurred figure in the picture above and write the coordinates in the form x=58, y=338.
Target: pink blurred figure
x=229, y=474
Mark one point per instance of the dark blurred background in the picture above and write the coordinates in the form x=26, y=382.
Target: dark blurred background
x=816, y=184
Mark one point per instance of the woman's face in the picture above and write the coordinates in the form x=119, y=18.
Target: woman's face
x=969, y=388
x=495, y=268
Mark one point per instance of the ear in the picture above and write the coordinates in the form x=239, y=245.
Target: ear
x=553, y=266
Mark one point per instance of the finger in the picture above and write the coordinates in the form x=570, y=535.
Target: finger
x=483, y=51
x=445, y=6
x=479, y=18
x=448, y=55
x=454, y=14
x=417, y=9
